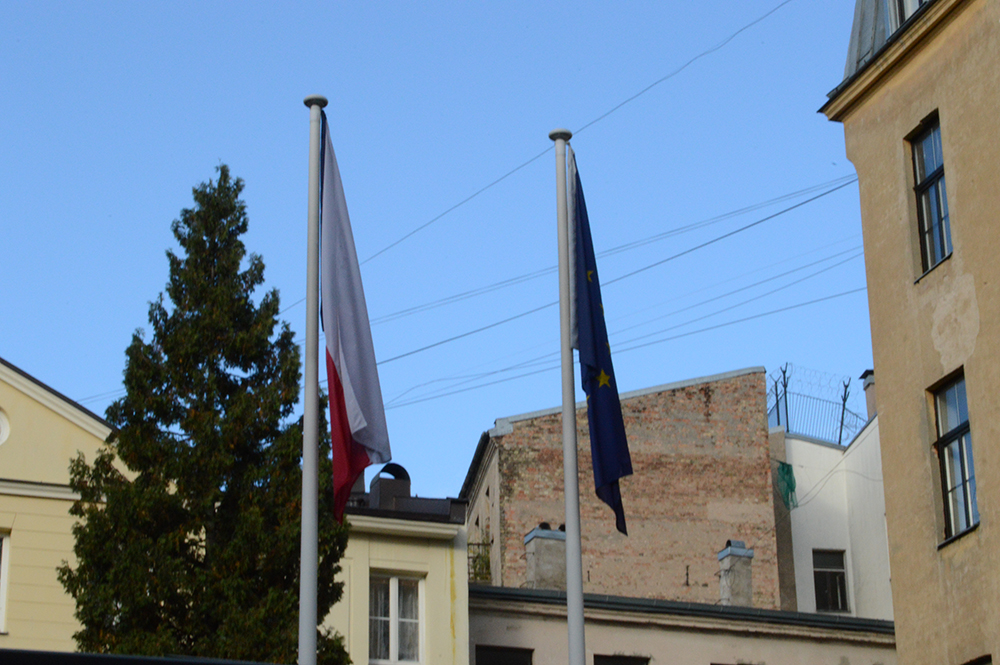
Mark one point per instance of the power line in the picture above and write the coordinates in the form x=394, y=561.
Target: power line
x=727, y=235
x=466, y=378
x=581, y=129
x=757, y=297
x=744, y=288
x=748, y=318
x=684, y=66
x=617, y=279
x=512, y=281
x=844, y=180
x=463, y=296
x=459, y=204
x=470, y=332
x=544, y=357
x=619, y=351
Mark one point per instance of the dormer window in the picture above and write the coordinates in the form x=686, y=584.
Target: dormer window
x=900, y=10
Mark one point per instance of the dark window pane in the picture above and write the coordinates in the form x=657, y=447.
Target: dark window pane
x=953, y=409
x=970, y=472
x=409, y=640
x=378, y=638
x=408, y=605
x=489, y=655
x=828, y=559
x=620, y=660
x=378, y=598
x=831, y=591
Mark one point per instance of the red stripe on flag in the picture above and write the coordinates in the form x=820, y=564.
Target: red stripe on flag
x=349, y=458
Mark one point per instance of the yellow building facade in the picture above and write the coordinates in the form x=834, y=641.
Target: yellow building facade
x=405, y=575
x=40, y=432
x=919, y=106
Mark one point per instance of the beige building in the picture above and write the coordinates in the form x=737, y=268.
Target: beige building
x=40, y=432
x=405, y=575
x=528, y=627
x=919, y=105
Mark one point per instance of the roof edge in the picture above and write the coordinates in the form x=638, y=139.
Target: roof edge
x=503, y=425
x=681, y=608
x=902, y=40
x=53, y=393
x=477, y=460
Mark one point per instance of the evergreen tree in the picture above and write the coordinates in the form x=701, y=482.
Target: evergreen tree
x=188, y=542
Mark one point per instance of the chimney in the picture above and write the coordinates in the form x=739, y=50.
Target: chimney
x=385, y=491
x=545, y=551
x=735, y=575
x=868, y=376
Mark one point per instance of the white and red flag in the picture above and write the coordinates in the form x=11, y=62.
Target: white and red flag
x=357, y=416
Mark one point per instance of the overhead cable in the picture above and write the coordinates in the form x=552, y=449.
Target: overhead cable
x=604, y=115
x=555, y=366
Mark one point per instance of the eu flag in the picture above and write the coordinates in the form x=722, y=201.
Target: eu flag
x=608, y=446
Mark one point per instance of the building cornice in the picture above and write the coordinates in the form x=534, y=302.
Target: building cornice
x=901, y=46
x=620, y=610
x=386, y=526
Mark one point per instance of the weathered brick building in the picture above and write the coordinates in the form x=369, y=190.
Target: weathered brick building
x=702, y=476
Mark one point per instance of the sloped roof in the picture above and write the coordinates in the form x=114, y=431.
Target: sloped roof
x=41, y=388
x=868, y=34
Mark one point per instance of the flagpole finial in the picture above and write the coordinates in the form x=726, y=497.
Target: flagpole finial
x=315, y=100
x=563, y=134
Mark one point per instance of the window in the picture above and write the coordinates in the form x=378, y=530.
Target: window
x=394, y=619
x=830, y=578
x=954, y=450
x=4, y=565
x=897, y=12
x=904, y=9
x=487, y=655
x=932, y=199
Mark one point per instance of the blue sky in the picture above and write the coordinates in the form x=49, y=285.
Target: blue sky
x=111, y=112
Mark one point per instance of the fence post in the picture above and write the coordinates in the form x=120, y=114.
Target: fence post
x=843, y=412
x=784, y=382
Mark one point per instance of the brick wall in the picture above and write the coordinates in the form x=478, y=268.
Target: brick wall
x=702, y=476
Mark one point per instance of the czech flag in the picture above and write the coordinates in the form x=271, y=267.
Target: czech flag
x=357, y=416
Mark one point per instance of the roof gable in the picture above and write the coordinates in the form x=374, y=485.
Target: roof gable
x=43, y=430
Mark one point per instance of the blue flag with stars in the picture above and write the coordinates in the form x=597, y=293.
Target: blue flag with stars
x=608, y=446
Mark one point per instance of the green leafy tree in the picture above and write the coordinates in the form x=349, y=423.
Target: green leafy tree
x=188, y=542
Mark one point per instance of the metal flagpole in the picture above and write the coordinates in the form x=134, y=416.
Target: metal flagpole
x=574, y=559
x=309, y=557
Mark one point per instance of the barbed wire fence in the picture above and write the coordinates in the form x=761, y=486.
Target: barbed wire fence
x=814, y=403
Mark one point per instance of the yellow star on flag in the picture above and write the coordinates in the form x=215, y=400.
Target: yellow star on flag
x=589, y=273
x=603, y=379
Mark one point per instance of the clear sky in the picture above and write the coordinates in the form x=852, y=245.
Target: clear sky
x=111, y=112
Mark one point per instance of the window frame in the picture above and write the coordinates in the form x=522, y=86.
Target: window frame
x=930, y=193
x=395, y=620
x=835, y=578
x=960, y=434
